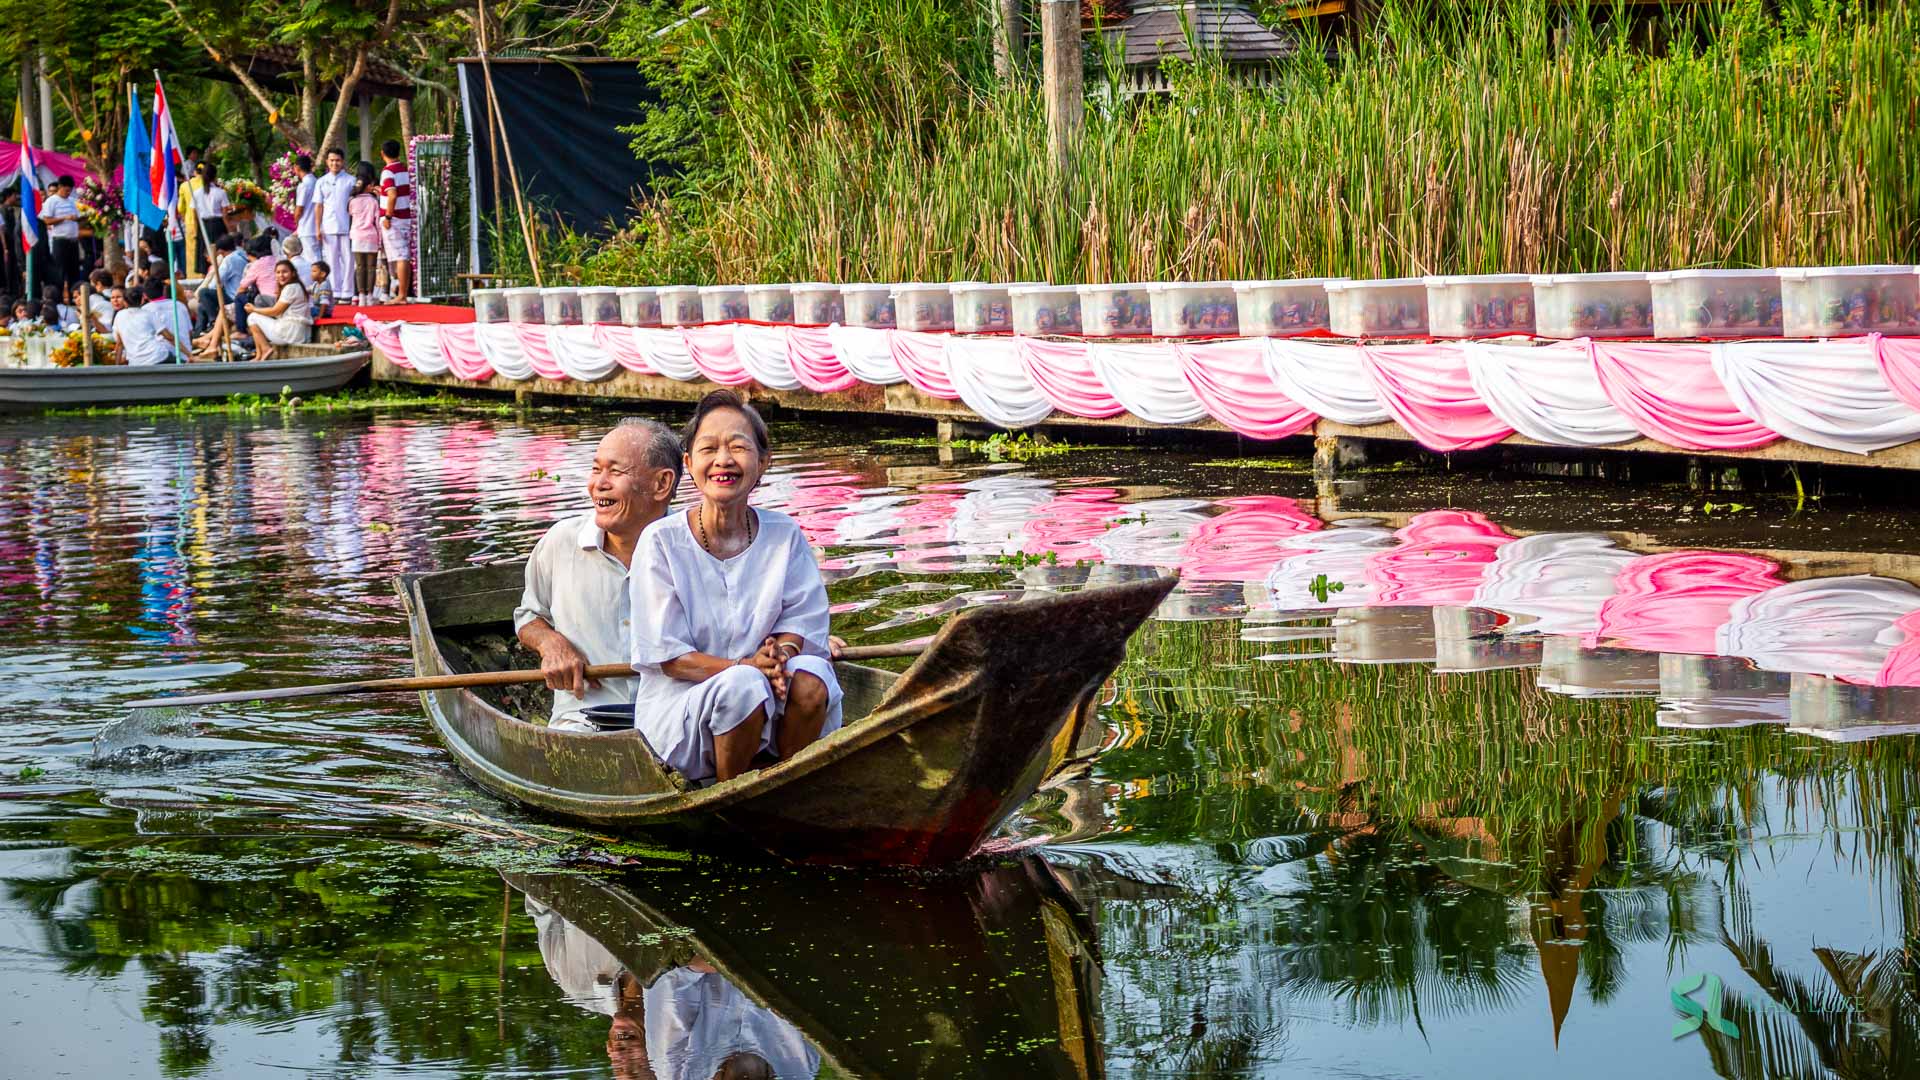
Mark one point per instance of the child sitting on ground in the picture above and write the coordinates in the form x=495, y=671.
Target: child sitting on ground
x=321, y=304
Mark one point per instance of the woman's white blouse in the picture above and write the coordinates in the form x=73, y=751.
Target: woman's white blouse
x=686, y=601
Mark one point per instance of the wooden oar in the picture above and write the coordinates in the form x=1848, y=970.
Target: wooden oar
x=456, y=682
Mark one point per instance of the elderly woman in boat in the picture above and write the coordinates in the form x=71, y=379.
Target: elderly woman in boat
x=730, y=646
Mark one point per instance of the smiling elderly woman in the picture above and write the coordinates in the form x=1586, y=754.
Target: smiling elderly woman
x=729, y=614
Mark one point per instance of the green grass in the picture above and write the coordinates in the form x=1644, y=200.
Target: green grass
x=869, y=140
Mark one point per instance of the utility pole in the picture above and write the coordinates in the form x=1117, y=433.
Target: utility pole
x=46, y=108
x=1061, y=76
x=1009, y=37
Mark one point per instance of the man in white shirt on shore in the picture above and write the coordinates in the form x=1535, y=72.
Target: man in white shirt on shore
x=139, y=345
x=305, y=225
x=331, y=194
x=575, y=611
x=61, y=216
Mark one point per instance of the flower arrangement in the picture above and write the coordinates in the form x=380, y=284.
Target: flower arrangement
x=283, y=185
x=247, y=196
x=100, y=205
x=73, y=351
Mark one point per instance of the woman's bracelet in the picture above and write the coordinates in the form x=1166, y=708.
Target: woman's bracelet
x=783, y=646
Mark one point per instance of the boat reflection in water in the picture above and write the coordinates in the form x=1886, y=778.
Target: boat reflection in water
x=781, y=973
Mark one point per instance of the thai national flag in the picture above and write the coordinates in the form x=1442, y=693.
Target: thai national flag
x=165, y=170
x=29, y=196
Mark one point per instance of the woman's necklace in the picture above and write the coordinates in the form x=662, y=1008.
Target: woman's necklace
x=700, y=522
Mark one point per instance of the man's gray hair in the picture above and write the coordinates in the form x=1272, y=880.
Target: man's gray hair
x=662, y=445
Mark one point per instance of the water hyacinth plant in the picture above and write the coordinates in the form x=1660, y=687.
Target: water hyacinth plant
x=871, y=141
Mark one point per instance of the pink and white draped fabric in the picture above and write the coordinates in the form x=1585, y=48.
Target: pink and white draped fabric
x=421, y=344
x=1439, y=558
x=1671, y=394
x=1230, y=380
x=811, y=354
x=1674, y=602
x=1558, y=579
x=536, y=344
x=763, y=353
x=922, y=359
x=460, y=344
x=867, y=353
x=1326, y=379
x=1899, y=360
x=666, y=352
x=714, y=354
x=577, y=351
x=1548, y=393
x=1147, y=380
x=384, y=336
x=987, y=374
x=1427, y=389
x=619, y=343
x=1822, y=393
x=500, y=344
x=1063, y=374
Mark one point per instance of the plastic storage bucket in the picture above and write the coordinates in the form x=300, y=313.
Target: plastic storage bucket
x=1380, y=307
x=1045, y=309
x=1614, y=305
x=639, y=305
x=1834, y=301
x=1195, y=309
x=1281, y=308
x=770, y=303
x=1479, y=305
x=1716, y=303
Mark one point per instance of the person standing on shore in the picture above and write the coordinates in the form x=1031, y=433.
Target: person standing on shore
x=62, y=218
x=396, y=217
x=331, y=195
x=306, y=223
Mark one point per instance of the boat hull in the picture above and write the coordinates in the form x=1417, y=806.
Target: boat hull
x=28, y=388
x=940, y=756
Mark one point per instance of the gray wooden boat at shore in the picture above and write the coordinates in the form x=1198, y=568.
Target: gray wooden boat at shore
x=32, y=388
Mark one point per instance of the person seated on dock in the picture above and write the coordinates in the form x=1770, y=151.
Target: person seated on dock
x=730, y=644
x=575, y=608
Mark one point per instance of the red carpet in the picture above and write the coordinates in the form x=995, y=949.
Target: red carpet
x=427, y=313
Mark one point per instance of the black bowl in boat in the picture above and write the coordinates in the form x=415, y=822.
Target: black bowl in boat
x=611, y=717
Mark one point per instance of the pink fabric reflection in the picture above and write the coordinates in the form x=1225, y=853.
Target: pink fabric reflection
x=1230, y=379
x=923, y=360
x=1675, y=602
x=810, y=352
x=1902, y=666
x=1067, y=524
x=713, y=354
x=1439, y=557
x=1064, y=376
x=1245, y=542
x=1671, y=394
x=1428, y=390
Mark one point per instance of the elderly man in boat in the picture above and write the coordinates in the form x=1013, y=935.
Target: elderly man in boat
x=574, y=611
x=730, y=645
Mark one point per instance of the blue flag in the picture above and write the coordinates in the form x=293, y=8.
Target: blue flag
x=136, y=190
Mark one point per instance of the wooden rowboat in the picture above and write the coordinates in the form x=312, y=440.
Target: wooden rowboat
x=929, y=763
x=994, y=971
x=118, y=384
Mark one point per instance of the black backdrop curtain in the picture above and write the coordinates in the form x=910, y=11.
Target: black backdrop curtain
x=563, y=121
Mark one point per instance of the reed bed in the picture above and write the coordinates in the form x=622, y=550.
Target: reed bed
x=868, y=140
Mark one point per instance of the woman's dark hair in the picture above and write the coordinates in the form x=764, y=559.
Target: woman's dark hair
x=260, y=246
x=295, y=271
x=303, y=162
x=725, y=399
x=50, y=313
x=366, y=174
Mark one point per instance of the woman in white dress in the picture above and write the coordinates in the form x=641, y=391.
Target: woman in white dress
x=286, y=321
x=729, y=614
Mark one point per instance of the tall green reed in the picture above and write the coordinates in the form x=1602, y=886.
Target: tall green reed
x=867, y=139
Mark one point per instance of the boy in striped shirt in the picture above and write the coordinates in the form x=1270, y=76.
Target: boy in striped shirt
x=396, y=217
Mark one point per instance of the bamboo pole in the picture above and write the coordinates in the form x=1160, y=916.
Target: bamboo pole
x=1061, y=75
x=513, y=174
x=86, y=327
x=1008, y=37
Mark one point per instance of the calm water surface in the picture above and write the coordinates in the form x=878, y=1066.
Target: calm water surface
x=1429, y=773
